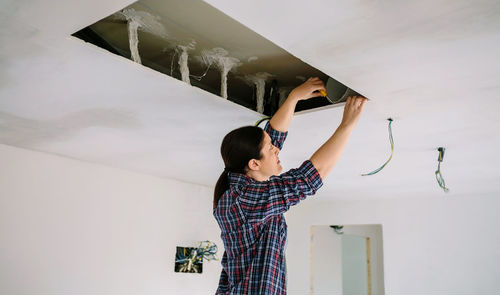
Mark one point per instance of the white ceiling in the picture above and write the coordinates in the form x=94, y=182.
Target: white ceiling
x=433, y=66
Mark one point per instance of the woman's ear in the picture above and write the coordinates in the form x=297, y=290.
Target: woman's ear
x=253, y=164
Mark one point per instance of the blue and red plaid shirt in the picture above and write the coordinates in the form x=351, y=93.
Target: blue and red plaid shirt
x=254, y=231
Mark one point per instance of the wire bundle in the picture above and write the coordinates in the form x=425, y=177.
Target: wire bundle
x=189, y=261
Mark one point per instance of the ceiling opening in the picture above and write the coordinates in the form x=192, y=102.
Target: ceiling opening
x=196, y=43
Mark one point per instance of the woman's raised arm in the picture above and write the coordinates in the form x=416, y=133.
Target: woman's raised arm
x=282, y=118
x=325, y=158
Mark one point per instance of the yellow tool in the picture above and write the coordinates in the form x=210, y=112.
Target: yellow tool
x=323, y=92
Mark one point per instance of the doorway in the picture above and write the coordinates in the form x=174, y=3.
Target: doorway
x=347, y=260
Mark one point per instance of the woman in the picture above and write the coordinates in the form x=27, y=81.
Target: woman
x=251, y=196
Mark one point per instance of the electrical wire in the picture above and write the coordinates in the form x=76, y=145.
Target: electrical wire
x=439, y=176
x=204, y=74
x=190, y=75
x=206, y=250
x=261, y=120
x=392, y=151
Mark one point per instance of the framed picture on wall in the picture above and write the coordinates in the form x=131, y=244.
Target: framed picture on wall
x=187, y=259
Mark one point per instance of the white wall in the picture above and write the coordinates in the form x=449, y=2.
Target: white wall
x=326, y=261
x=70, y=227
x=447, y=245
x=328, y=253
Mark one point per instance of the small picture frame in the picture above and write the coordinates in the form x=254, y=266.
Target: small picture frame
x=188, y=261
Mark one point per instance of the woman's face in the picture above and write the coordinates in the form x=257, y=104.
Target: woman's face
x=269, y=162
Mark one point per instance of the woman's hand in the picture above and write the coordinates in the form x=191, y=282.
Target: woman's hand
x=352, y=111
x=308, y=89
x=327, y=156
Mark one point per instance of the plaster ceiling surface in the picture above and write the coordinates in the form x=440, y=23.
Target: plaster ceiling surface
x=432, y=66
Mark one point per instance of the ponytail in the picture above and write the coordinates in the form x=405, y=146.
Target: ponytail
x=221, y=186
x=238, y=147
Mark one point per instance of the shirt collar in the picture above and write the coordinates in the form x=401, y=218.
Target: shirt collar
x=238, y=178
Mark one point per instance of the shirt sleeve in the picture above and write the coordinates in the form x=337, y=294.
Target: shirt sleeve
x=275, y=196
x=277, y=137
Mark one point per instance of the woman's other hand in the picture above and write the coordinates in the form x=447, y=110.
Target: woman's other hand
x=352, y=111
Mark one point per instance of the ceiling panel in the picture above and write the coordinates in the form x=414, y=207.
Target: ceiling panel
x=432, y=66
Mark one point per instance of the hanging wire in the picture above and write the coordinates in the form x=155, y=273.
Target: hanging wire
x=261, y=120
x=190, y=75
x=206, y=58
x=392, y=150
x=339, y=229
x=207, y=250
x=439, y=177
x=204, y=74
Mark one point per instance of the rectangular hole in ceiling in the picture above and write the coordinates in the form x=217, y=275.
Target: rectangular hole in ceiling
x=196, y=43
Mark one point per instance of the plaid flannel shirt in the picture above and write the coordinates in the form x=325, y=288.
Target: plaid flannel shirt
x=254, y=231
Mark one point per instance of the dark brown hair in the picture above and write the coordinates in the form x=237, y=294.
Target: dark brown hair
x=238, y=147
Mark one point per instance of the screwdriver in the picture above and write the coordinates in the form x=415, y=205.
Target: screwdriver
x=323, y=92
